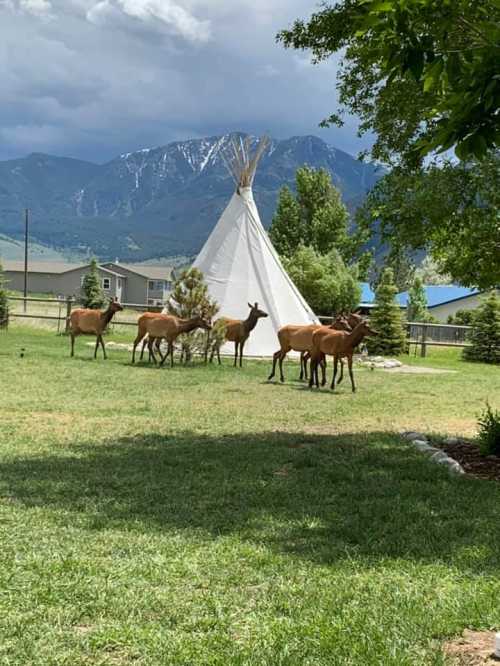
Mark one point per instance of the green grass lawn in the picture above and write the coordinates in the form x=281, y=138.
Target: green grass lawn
x=201, y=516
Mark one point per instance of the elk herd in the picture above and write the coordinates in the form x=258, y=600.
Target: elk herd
x=314, y=342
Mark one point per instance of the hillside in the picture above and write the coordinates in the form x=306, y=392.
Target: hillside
x=157, y=201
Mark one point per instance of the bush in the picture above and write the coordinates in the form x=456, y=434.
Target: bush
x=326, y=283
x=4, y=302
x=489, y=432
x=387, y=319
x=189, y=299
x=462, y=317
x=485, y=334
x=92, y=294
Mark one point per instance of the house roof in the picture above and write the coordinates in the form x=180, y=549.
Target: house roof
x=150, y=272
x=440, y=294
x=51, y=267
x=367, y=294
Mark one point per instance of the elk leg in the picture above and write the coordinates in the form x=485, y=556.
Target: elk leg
x=335, y=368
x=103, y=348
x=151, y=352
x=282, y=357
x=275, y=360
x=157, y=343
x=72, y=344
x=218, y=355
x=241, y=353
x=307, y=357
x=322, y=363
x=235, y=353
x=96, y=346
x=171, y=350
x=341, y=371
x=349, y=365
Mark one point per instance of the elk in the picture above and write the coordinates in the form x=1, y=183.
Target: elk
x=142, y=333
x=91, y=322
x=170, y=327
x=299, y=338
x=338, y=344
x=238, y=331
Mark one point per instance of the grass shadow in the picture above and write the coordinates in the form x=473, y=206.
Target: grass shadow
x=317, y=497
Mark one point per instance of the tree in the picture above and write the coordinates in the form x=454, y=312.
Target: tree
x=416, y=309
x=386, y=319
x=327, y=284
x=190, y=298
x=401, y=263
x=429, y=272
x=92, y=294
x=450, y=211
x=485, y=334
x=4, y=302
x=315, y=217
x=422, y=76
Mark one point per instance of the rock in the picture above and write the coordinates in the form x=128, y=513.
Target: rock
x=412, y=435
x=455, y=468
x=392, y=363
x=451, y=441
x=439, y=457
x=421, y=445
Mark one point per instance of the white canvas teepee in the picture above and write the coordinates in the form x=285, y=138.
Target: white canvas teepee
x=241, y=266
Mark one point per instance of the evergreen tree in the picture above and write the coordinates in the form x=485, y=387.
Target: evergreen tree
x=327, y=284
x=286, y=230
x=190, y=298
x=92, y=294
x=4, y=303
x=315, y=216
x=485, y=334
x=417, y=302
x=387, y=319
x=462, y=317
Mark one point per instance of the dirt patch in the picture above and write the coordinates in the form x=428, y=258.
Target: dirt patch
x=418, y=370
x=473, y=648
x=468, y=455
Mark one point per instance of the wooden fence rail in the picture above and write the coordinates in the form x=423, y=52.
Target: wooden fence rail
x=419, y=334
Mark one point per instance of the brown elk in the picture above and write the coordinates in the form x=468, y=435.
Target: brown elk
x=142, y=333
x=338, y=344
x=91, y=322
x=300, y=338
x=238, y=331
x=169, y=327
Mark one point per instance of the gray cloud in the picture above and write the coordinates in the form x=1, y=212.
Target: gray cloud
x=92, y=79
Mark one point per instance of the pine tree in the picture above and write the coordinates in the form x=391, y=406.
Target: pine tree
x=387, y=319
x=485, y=334
x=4, y=302
x=92, y=294
x=190, y=298
x=417, y=302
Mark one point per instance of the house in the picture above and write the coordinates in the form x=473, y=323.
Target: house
x=445, y=300
x=129, y=283
x=367, y=298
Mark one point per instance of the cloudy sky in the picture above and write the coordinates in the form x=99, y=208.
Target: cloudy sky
x=95, y=78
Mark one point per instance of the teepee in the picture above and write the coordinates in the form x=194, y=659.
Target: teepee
x=241, y=266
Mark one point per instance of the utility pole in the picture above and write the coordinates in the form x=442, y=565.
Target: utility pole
x=26, y=222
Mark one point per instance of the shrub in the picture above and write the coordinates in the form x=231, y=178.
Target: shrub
x=387, y=319
x=462, y=318
x=190, y=298
x=327, y=284
x=4, y=302
x=92, y=294
x=485, y=334
x=489, y=432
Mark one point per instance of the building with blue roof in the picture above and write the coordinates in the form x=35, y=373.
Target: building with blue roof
x=442, y=300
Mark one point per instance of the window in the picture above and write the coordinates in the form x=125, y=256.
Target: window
x=156, y=285
x=106, y=283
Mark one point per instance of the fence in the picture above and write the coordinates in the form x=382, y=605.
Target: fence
x=58, y=310
x=425, y=335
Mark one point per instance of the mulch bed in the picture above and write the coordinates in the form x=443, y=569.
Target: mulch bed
x=467, y=454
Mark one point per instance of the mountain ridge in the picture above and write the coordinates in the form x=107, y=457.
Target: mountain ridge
x=156, y=201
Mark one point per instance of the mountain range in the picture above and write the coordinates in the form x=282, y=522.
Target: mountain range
x=155, y=202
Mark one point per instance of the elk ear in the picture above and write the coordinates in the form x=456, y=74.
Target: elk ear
x=256, y=306
x=250, y=306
